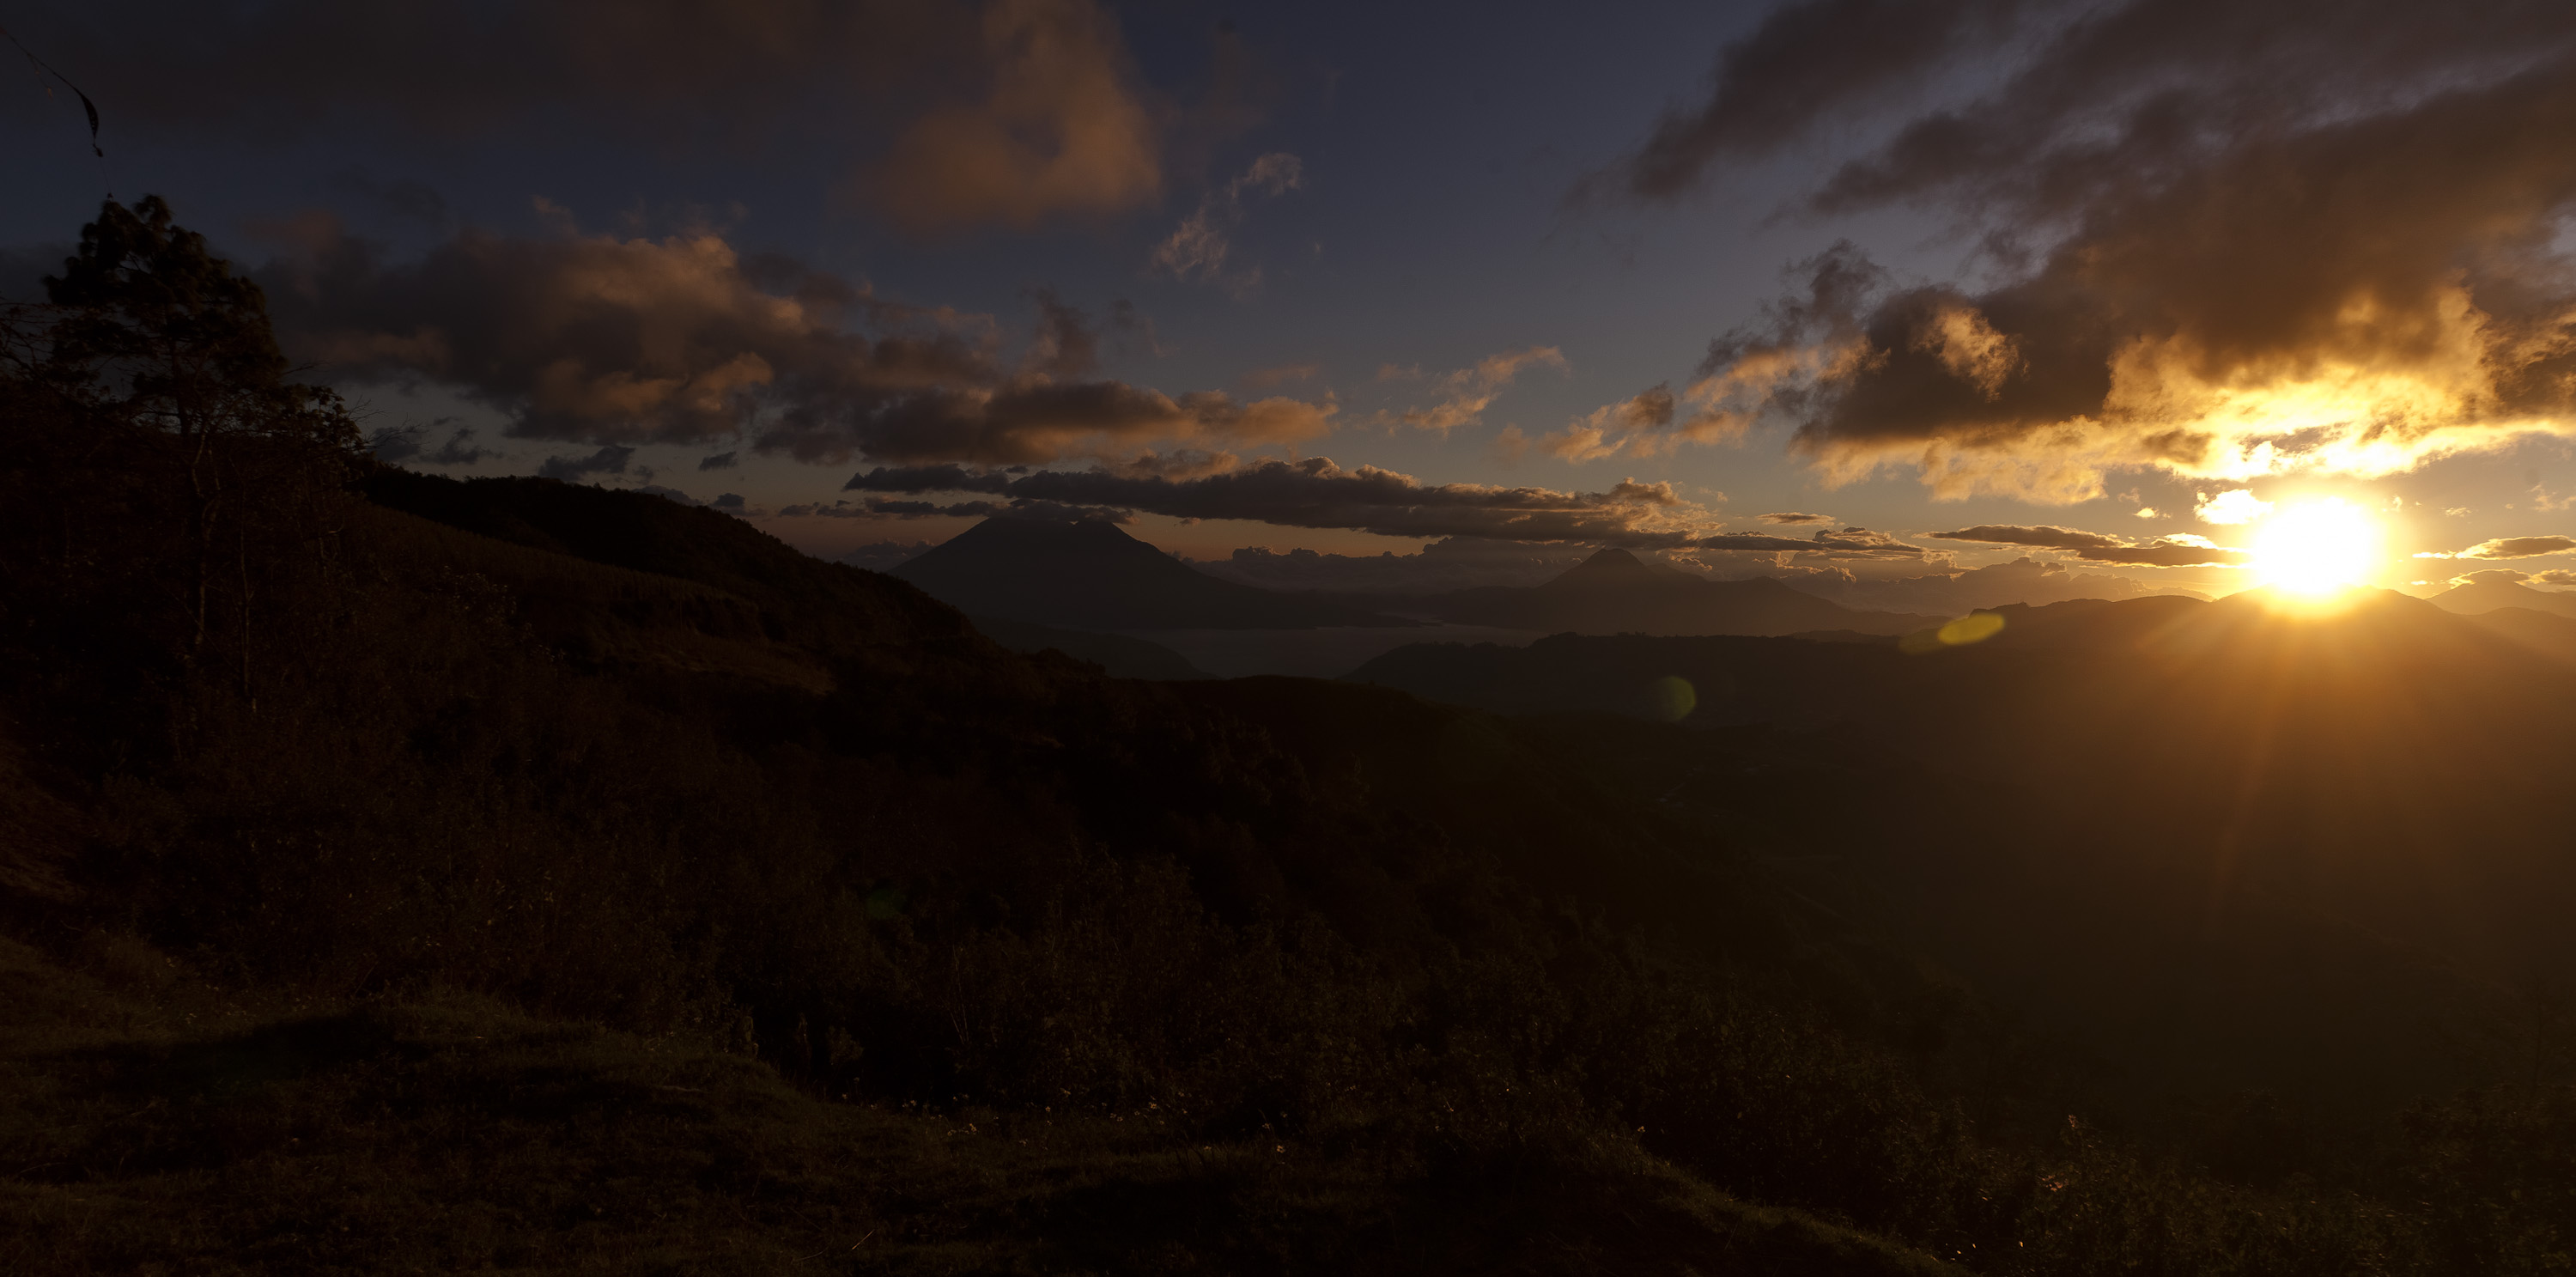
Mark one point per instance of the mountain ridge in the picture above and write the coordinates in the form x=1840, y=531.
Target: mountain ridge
x=1087, y=574
x=1615, y=592
x=2487, y=596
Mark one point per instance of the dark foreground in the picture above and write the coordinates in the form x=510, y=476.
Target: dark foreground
x=453, y=1134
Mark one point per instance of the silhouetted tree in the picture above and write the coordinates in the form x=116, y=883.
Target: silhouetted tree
x=150, y=334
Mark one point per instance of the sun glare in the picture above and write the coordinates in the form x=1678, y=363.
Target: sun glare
x=2316, y=547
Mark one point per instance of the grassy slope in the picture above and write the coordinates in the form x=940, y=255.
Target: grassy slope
x=154, y=1126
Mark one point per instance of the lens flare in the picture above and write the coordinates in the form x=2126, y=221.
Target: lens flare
x=2317, y=547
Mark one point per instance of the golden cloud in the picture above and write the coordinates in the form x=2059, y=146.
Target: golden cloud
x=605, y=340
x=1468, y=391
x=1065, y=129
x=2372, y=279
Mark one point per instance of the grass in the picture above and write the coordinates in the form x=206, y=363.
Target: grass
x=150, y=1125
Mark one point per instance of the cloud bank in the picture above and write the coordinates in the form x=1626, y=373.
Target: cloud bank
x=2511, y=548
x=1061, y=129
x=605, y=340
x=1317, y=493
x=1466, y=393
x=1010, y=113
x=2181, y=550
x=2224, y=241
x=1198, y=248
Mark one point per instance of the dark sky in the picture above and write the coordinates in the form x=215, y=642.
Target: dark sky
x=2052, y=279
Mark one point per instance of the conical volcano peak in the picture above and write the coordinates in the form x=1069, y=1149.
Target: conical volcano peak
x=1013, y=529
x=1090, y=574
x=1608, y=567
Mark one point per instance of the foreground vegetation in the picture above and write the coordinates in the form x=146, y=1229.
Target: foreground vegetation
x=411, y=874
x=452, y=1133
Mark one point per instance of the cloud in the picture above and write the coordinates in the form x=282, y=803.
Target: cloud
x=600, y=339
x=1451, y=563
x=1175, y=463
x=1468, y=391
x=1197, y=249
x=2510, y=548
x=1063, y=129
x=2023, y=580
x=610, y=459
x=883, y=508
x=2234, y=506
x=1657, y=421
x=2044, y=536
x=2178, y=551
x=1794, y=517
x=2507, y=576
x=1846, y=543
x=2491, y=576
x=1065, y=345
x=1030, y=423
x=606, y=340
x=719, y=461
x=398, y=444
x=1317, y=493
x=1641, y=426
x=2181, y=550
x=1010, y=113
x=1806, y=64
x=2148, y=512
x=2224, y=242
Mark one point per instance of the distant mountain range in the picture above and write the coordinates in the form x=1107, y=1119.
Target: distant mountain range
x=1614, y=592
x=1089, y=575
x=2487, y=596
x=1913, y=685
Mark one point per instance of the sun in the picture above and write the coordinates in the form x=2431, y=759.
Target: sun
x=2317, y=547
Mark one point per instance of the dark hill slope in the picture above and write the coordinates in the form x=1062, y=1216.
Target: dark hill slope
x=593, y=615
x=1088, y=574
x=818, y=605
x=1336, y=924
x=2393, y=765
x=1614, y=593
x=2548, y=634
x=607, y=789
x=1121, y=655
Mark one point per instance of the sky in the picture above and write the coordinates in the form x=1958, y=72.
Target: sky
x=1888, y=288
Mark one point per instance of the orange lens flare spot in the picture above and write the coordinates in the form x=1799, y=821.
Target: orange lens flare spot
x=1975, y=627
x=2317, y=548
